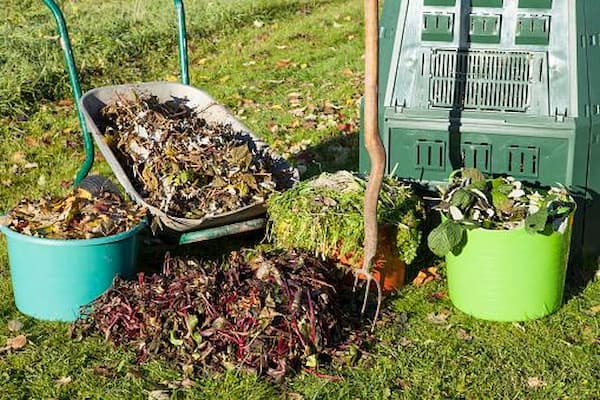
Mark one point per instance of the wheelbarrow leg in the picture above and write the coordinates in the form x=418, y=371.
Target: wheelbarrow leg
x=224, y=230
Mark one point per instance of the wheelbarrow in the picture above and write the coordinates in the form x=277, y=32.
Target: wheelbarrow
x=89, y=108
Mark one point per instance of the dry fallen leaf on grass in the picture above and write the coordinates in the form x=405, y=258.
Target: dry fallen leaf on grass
x=14, y=325
x=158, y=395
x=65, y=380
x=436, y=296
x=104, y=371
x=284, y=63
x=464, y=335
x=187, y=383
x=18, y=157
x=16, y=343
x=426, y=275
x=535, y=382
x=593, y=310
x=31, y=141
x=439, y=318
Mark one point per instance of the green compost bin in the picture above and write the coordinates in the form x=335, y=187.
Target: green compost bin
x=53, y=278
x=509, y=275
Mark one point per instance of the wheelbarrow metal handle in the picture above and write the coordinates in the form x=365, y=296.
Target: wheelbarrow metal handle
x=183, y=55
x=65, y=43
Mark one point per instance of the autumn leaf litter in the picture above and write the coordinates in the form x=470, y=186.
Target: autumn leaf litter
x=182, y=164
x=77, y=215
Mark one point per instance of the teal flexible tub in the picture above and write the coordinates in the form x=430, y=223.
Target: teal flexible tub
x=53, y=278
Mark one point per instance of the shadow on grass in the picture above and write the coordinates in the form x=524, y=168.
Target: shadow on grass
x=153, y=249
x=579, y=276
x=334, y=154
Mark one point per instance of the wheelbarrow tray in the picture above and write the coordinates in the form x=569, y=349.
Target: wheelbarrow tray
x=95, y=100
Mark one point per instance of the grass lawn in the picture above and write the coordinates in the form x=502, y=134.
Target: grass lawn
x=292, y=71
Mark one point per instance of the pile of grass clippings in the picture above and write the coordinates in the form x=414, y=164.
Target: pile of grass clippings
x=266, y=313
x=78, y=215
x=324, y=215
x=182, y=164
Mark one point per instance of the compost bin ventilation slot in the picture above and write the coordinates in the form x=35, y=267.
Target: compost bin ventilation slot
x=476, y=155
x=430, y=154
x=523, y=161
x=487, y=80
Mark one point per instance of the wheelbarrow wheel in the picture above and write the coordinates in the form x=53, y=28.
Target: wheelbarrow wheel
x=98, y=184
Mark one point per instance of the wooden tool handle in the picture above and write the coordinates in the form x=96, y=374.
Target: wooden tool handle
x=373, y=142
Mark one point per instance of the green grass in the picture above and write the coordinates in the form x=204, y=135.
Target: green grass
x=313, y=48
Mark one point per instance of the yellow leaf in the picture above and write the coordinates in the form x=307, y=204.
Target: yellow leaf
x=18, y=157
x=594, y=309
x=63, y=381
x=284, y=63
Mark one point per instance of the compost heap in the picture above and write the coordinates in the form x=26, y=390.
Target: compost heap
x=266, y=313
x=183, y=165
x=78, y=215
x=325, y=215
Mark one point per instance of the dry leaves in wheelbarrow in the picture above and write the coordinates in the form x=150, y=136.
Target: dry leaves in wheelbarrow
x=183, y=165
x=79, y=215
x=265, y=313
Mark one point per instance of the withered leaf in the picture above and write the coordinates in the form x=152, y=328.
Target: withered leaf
x=464, y=335
x=535, y=382
x=159, y=395
x=14, y=325
x=438, y=318
x=104, y=371
x=425, y=275
x=16, y=343
x=18, y=157
x=62, y=381
x=78, y=215
x=182, y=164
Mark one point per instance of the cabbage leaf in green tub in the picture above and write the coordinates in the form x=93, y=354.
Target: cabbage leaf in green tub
x=503, y=203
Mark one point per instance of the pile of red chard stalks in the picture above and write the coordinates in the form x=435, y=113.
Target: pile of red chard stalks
x=266, y=313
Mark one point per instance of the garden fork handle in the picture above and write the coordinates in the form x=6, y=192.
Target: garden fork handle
x=374, y=148
x=373, y=142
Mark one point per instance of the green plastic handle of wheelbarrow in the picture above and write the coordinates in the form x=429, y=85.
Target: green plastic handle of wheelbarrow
x=75, y=87
x=74, y=77
x=183, y=55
